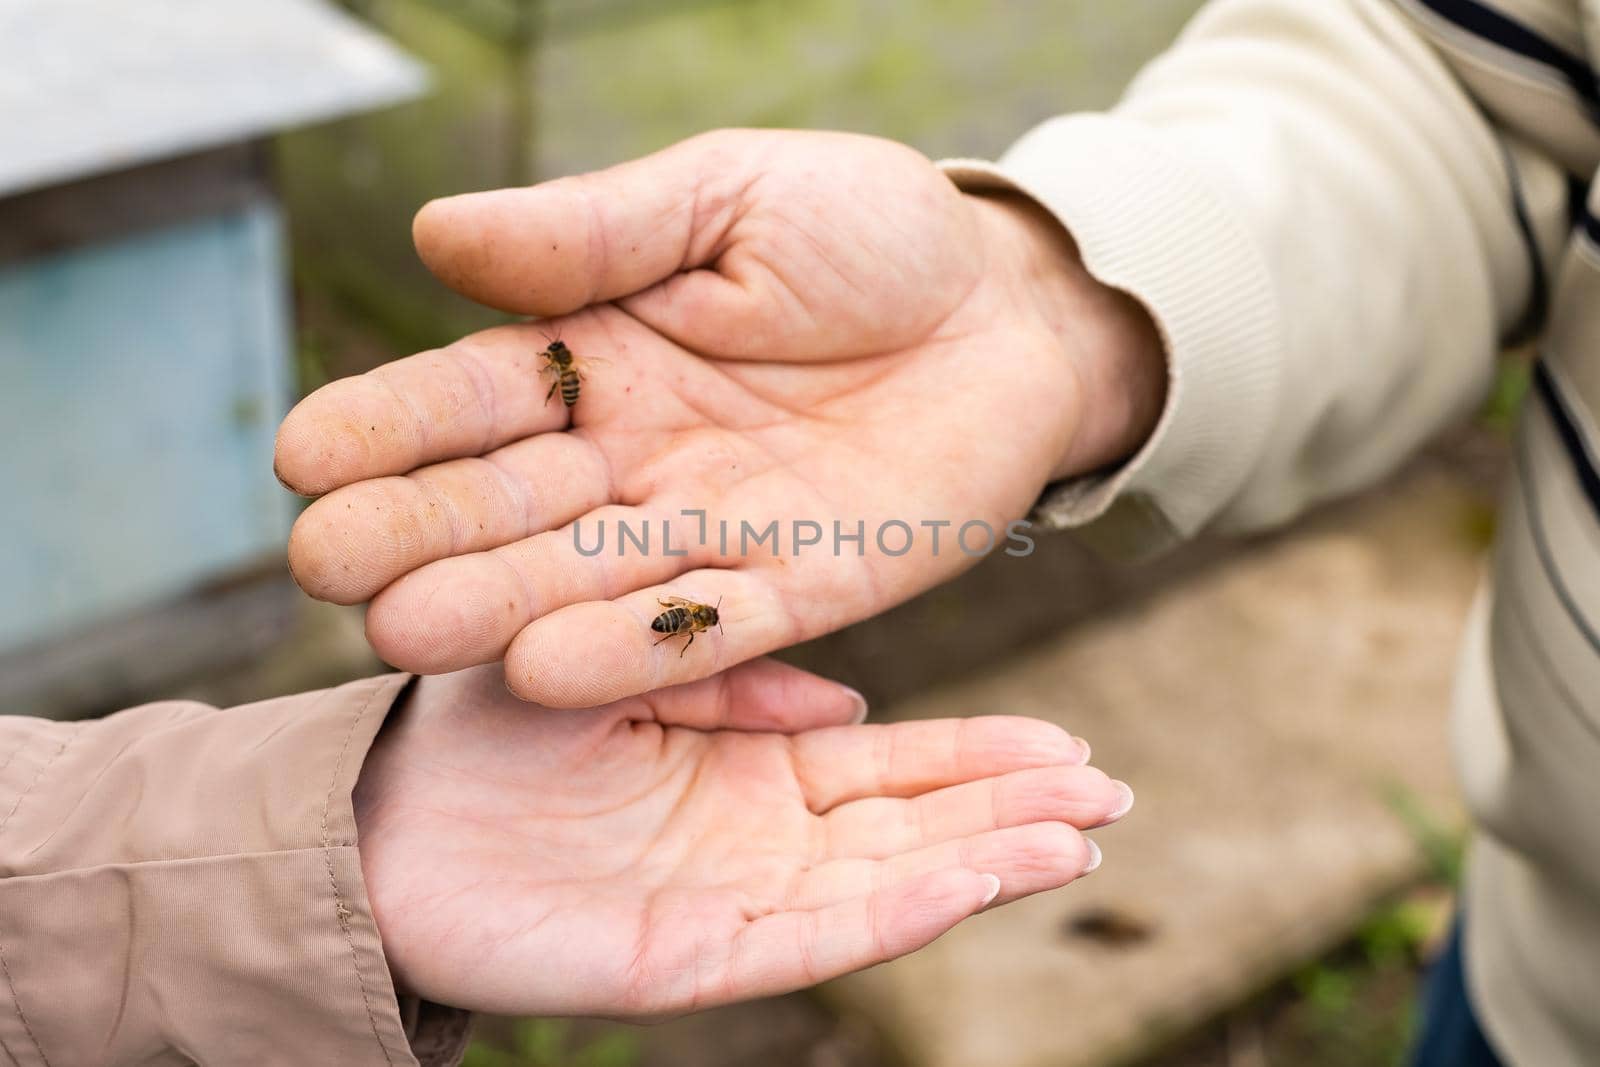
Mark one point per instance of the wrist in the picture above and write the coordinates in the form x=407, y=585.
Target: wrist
x=1109, y=338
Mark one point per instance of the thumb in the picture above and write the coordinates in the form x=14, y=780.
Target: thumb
x=553, y=248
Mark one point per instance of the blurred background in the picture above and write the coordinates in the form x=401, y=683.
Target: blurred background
x=205, y=212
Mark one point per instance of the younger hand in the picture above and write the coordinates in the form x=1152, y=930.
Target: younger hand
x=530, y=861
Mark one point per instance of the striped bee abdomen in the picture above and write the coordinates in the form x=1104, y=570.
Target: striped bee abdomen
x=671, y=621
x=569, y=387
x=559, y=363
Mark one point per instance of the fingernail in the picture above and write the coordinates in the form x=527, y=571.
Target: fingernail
x=859, y=716
x=1094, y=857
x=993, y=891
x=1084, y=746
x=1127, y=800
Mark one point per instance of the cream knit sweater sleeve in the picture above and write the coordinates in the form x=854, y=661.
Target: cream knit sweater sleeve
x=1321, y=221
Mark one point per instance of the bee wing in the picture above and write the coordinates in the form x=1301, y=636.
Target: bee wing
x=675, y=602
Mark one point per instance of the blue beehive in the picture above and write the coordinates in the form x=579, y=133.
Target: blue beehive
x=145, y=331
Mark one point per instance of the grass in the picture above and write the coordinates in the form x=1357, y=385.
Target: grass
x=552, y=1043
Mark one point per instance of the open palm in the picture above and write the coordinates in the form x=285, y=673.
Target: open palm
x=793, y=327
x=525, y=860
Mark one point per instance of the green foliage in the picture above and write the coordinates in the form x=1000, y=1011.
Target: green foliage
x=1355, y=1008
x=1513, y=375
x=1342, y=1023
x=551, y=1043
x=1443, y=846
x=1328, y=991
x=481, y=1055
x=1396, y=935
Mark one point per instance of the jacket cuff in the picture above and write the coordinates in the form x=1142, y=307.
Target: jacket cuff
x=179, y=879
x=1146, y=222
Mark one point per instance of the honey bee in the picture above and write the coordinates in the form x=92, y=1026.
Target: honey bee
x=563, y=365
x=686, y=617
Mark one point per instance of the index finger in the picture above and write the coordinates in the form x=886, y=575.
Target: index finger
x=465, y=399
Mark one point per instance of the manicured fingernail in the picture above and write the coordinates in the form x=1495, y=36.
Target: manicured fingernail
x=859, y=716
x=1127, y=800
x=1094, y=857
x=993, y=890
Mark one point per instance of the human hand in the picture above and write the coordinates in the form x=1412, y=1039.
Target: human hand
x=529, y=861
x=796, y=326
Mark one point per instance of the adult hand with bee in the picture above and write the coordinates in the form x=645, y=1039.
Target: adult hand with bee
x=606, y=862
x=795, y=327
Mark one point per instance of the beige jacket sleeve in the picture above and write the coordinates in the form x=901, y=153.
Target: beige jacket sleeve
x=1320, y=220
x=180, y=884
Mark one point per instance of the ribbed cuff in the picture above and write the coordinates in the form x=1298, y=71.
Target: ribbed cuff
x=1145, y=222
